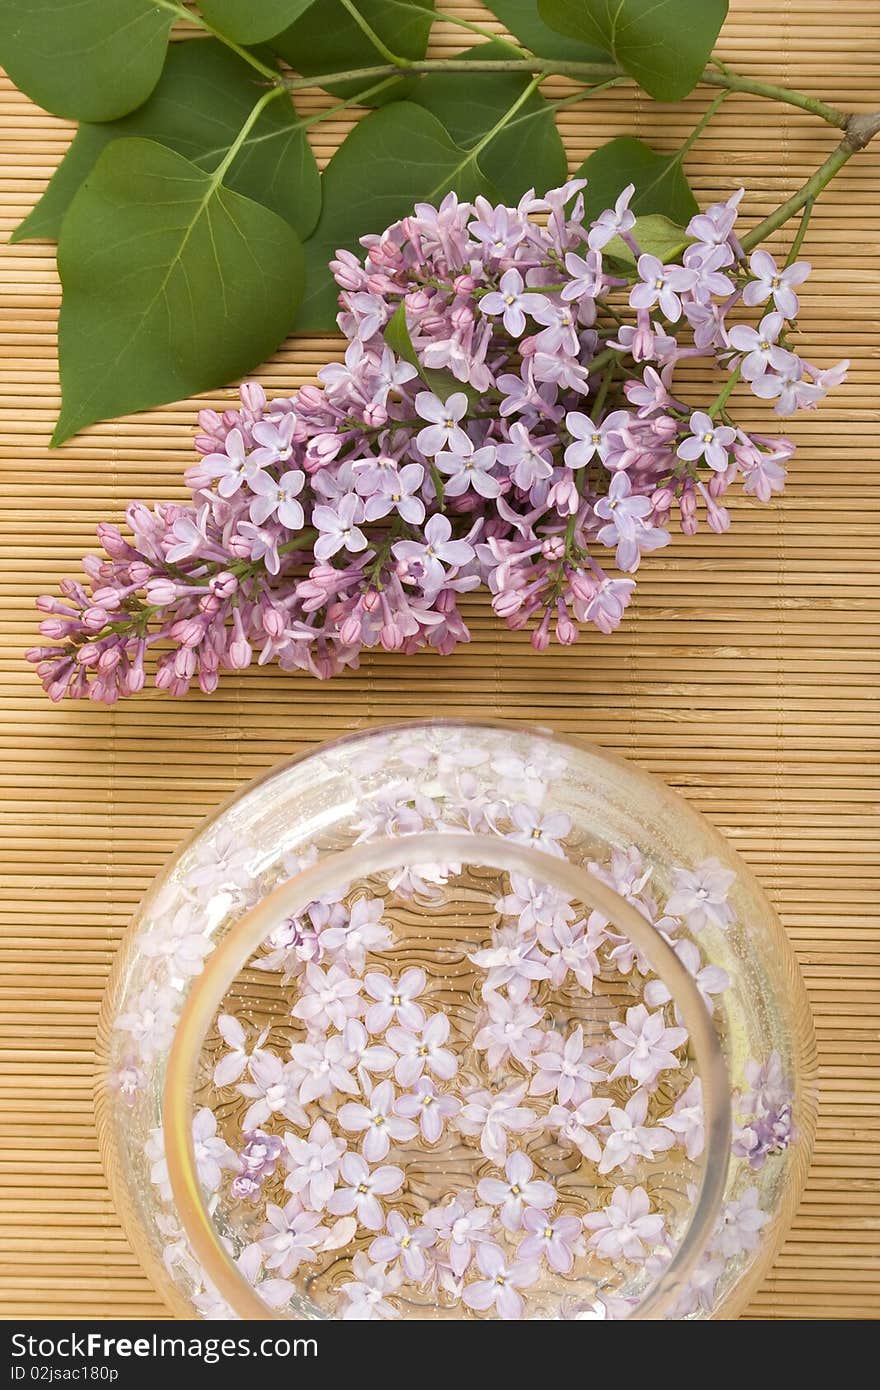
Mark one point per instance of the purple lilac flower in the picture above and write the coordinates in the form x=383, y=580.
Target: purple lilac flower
x=355, y=514
x=499, y=1288
x=627, y=1227
x=517, y=1191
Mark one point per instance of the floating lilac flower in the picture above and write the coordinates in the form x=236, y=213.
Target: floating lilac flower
x=495, y=1116
x=567, y=1072
x=687, y=1119
x=360, y=1189
x=645, y=1047
x=364, y=932
x=517, y=1191
x=509, y=1032
x=314, y=1164
x=740, y=1225
x=432, y=1108
x=367, y=1294
x=406, y=1243
x=425, y=1048
x=575, y=1124
x=395, y=1000
x=290, y=1236
x=462, y=1226
x=258, y=1160
x=629, y=1138
x=379, y=1121
x=557, y=1241
x=700, y=895
x=329, y=997
x=627, y=1227
x=502, y=1282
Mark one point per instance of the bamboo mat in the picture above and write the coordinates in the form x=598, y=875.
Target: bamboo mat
x=745, y=676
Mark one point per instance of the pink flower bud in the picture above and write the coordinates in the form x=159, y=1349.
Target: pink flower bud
x=464, y=284
x=553, y=548
x=161, y=592
x=224, y=584
x=375, y=415
x=350, y=631
x=95, y=618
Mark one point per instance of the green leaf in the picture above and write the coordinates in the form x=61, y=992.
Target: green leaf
x=659, y=179
x=43, y=222
x=252, y=21
x=656, y=235
x=203, y=98
x=393, y=158
x=663, y=44
x=172, y=283
x=443, y=383
x=326, y=39
x=89, y=60
x=527, y=152
x=521, y=18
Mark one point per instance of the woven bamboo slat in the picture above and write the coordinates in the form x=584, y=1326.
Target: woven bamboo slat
x=746, y=676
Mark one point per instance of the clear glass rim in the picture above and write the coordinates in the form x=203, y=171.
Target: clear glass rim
x=231, y=955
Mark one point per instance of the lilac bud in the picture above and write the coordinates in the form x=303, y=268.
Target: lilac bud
x=95, y=618
x=462, y=316
x=112, y=541
x=662, y=499
x=508, y=602
x=209, y=605
x=224, y=584
x=161, y=592
x=184, y=663
x=350, y=631
x=464, y=284
x=274, y=621
x=139, y=572
x=371, y=601
x=553, y=548
x=418, y=301
x=375, y=415
x=109, y=659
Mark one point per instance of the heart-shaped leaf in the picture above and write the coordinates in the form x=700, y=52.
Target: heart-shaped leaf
x=527, y=151
x=89, y=60
x=656, y=236
x=248, y=22
x=203, y=98
x=172, y=283
x=521, y=18
x=659, y=179
x=663, y=44
x=393, y=158
x=328, y=39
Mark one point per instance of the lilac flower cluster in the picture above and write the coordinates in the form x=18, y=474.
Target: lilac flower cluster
x=539, y=439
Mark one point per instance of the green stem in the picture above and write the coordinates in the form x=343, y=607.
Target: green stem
x=800, y=233
x=376, y=40
x=700, y=126
x=192, y=17
x=860, y=130
x=733, y=82
x=723, y=396
x=256, y=112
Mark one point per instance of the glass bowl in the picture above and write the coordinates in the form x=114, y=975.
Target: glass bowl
x=456, y=1020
